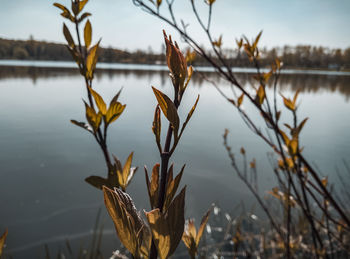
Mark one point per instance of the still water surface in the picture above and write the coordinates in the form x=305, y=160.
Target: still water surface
x=44, y=158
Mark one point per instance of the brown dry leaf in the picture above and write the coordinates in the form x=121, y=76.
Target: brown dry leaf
x=68, y=36
x=126, y=219
x=168, y=108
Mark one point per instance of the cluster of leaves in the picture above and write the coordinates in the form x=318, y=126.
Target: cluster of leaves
x=98, y=120
x=300, y=185
x=165, y=226
x=163, y=230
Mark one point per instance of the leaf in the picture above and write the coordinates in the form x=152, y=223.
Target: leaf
x=125, y=217
x=75, y=7
x=87, y=34
x=255, y=44
x=240, y=100
x=159, y=2
x=190, y=73
x=288, y=103
x=124, y=176
x=82, y=125
x=116, y=97
x=261, y=94
x=210, y=2
x=168, y=108
x=82, y=4
x=242, y=150
x=83, y=16
x=114, y=112
x=239, y=43
x=301, y=125
x=68, y=36
x=324, y=181
x=189, y=115
x=93, y=118
x=176, y=62
x=157, y=126
x=98, y=181
x=218, y=42
x=167, y=228
x=285, y=137
x=91, y=61
x=293, y=146
x=204, y=222
x=153, y=186
x=172, y=186
x=101, y=105
x=2, y=241
x=65, y=12
x=295, y=97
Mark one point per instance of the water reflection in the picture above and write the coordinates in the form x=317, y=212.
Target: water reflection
x=309, y=83
x=44, y=159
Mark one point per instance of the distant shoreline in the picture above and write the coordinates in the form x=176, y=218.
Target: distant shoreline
x=159, y=67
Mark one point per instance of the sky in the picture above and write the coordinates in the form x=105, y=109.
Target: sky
x=122, y=25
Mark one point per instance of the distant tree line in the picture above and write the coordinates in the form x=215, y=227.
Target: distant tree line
x=301, y=56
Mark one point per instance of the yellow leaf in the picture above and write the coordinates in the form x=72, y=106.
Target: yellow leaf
x=114, y=112
x=261, y=94
x=91, y=61
x=93, y=118
x=82, y=4
x=2, y=241
x=190, y=73
x=168, y=108
x=204, y=222
x=255, y=44
x=68, y=36
x=189, y=115
x=87, y=34
x=159, y=2
x=190, y=56
x=239, y=43
x=240, y=100
x=293, y=146
x=288, y=103
x=285, y=138
x=101, y=105
x=124, y=176
x=324, y=181
x=218, y=42
x=295, y=97
x=210, y=2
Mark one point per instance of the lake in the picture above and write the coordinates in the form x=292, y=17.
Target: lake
x=44, y=159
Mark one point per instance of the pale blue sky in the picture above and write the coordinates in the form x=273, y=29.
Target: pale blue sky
x=122, y=25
